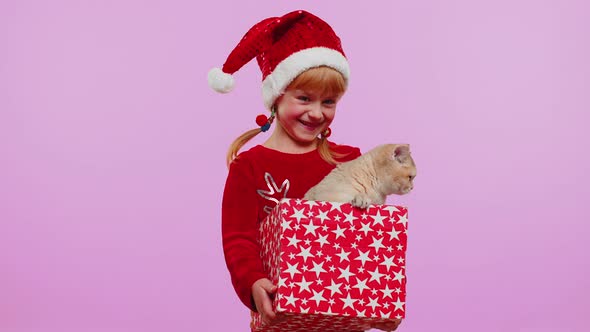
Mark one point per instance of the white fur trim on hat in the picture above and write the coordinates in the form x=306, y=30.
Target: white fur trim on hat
x=220, y=81
x=285, y=72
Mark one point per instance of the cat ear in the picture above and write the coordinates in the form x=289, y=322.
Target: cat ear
x=401, y=152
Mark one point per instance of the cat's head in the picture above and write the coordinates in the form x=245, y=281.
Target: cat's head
x=396, y=168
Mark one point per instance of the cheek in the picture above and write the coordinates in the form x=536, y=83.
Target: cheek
x=290, y=112
x=329, y=115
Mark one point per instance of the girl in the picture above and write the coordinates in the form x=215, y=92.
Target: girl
x=305, y=73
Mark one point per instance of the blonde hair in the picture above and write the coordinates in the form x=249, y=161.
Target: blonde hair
x=324, y=80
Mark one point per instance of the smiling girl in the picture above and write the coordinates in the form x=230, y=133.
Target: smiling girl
x=305, y=74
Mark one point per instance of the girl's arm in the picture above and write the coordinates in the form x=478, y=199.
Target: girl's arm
x=239, y=231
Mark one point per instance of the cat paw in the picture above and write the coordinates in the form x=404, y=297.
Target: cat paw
x=362, y=202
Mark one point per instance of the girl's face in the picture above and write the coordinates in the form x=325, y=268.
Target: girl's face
x=302, y=116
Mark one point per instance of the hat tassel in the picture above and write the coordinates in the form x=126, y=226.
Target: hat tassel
x=220, y=81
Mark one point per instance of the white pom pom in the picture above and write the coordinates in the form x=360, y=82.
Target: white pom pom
x=220, y=81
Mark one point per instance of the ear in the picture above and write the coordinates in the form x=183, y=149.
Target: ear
x=401, y=152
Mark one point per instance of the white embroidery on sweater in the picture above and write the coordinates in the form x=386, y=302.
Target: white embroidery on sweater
x=274, y=193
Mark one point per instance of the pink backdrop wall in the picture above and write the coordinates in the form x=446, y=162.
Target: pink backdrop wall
x=112, y=157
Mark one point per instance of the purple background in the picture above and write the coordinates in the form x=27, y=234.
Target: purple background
x=112, y=157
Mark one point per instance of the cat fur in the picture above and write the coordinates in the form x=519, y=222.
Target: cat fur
x=385, y=170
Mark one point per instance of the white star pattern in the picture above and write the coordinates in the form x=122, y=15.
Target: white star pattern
x=342, y=262
x=334, y=288
x=310, y=228
x=290, y=299
x=377, y=244
x=378, y=219
x=387, y=292
x=305, y=253
x=303, y=285
x=376, y=276
x=292, y=269
x=298, y=214
x=393, y=234
x=317, y=297
x=363, y=257
x=350, y=217
x=399, y=305
x=373, y=303
x=403, y=220
x=336, y=206
x=293, y=241
x=323, y=216
x=388, y=262
x=361, y=285
x=286, y=225
x=345, y=273
x=398, y=276
x=343, y=255
x=310, y=204
x=366, y=228
x=391, y=209
x=318, y=268
x=348, y=302
x=339, y=232
x=322, y=240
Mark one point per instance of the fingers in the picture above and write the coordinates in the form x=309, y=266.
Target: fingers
x=266, y=310
x=268, y=286
x=262, y=290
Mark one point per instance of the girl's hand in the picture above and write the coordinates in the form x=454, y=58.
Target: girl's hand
x=387, y=326
x=262, y=290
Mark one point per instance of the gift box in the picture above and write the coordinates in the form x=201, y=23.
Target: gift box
x=337, y=267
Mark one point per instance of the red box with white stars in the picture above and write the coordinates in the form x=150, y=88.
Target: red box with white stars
x=337, y=267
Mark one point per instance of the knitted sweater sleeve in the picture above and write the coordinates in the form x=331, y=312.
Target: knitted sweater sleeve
x=239, y=230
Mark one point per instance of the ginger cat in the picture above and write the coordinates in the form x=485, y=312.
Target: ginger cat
x=387, y=169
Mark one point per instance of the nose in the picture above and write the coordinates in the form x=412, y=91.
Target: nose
x=315, y=111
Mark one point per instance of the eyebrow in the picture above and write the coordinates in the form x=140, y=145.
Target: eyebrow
x=298, y=92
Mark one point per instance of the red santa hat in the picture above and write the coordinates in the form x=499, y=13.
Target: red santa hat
x=284, y=48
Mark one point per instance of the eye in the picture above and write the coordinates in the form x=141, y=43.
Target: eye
x=410, y=177
x=303, y=98
x=329, y=102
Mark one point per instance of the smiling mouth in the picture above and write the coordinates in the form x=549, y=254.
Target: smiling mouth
x=309, y=125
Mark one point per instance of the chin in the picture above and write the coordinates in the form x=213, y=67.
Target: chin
x=307, y=138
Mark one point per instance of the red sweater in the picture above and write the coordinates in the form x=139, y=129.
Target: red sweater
x=257, y=180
